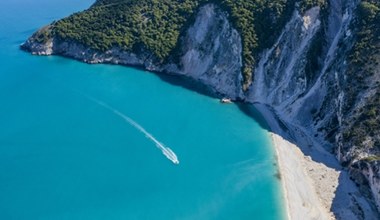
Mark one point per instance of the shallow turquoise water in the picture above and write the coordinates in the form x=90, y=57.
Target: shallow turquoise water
x=64, y=156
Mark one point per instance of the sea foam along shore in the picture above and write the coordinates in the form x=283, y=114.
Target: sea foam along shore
x=314, y=185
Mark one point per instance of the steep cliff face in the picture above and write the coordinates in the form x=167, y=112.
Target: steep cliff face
x=316, y=101
x=211, y=52
x=304, y=76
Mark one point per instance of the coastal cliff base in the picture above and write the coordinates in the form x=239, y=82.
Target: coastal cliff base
x=313, y=182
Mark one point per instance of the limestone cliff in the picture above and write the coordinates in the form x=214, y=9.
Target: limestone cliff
x=211, y=52
x=316, y=102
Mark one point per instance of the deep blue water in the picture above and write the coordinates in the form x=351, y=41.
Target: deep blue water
x=65, y=156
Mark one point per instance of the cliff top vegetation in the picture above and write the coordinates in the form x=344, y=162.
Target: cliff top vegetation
x=156, y=25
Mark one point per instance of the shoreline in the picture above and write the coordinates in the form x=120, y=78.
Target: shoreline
x=314, y=185
x=299, y=199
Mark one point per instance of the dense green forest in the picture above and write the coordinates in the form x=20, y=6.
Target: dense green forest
x=129, y=24
x=156, y=25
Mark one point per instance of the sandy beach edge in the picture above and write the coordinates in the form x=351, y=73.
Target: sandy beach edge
x=314, y=184
x=301, y=199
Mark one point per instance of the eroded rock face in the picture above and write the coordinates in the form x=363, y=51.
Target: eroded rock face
x=317, y=103
x=211, y=52
x=280, y=77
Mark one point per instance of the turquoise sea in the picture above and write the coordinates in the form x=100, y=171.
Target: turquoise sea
x=70, y=150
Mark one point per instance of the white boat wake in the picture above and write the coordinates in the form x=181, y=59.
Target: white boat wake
x=165, y=150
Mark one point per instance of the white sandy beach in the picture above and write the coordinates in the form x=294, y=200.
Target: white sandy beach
x=314, y=185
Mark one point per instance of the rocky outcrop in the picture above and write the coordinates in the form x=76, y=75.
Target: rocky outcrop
x=56, y=46
x=366, y=174
x=211, y=52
